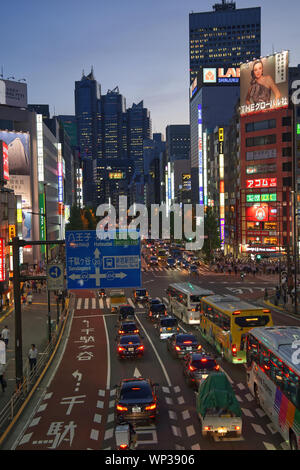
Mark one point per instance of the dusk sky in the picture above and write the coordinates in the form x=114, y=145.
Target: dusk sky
x=140, y=46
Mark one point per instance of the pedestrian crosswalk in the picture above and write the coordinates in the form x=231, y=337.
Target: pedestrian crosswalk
x=91, y=303
x=201, y=269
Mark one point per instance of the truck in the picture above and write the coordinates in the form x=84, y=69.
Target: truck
x=117, y=298
x=217, y=407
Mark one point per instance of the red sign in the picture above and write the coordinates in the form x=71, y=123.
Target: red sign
x=261, y=213
x=262, y=183
x=5, y=161
x=2, y=259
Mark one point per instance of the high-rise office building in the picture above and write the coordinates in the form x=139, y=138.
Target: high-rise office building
x=139, y=128
x=225, y=36
x=87, y=95
x=178, y=141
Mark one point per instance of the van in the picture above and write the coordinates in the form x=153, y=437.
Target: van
x=167, y=326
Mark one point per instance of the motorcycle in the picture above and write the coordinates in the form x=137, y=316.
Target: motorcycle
x=125, y=437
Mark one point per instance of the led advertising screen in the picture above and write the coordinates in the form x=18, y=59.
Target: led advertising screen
x=264, y=84
x=261, y=213
x=18, y=151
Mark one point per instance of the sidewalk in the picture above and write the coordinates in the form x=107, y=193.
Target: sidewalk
x=34, y=330
x=288, y=307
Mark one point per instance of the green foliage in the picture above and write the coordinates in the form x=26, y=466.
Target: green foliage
x=81, y=219
x=212, y=232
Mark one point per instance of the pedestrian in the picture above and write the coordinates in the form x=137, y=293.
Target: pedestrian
x=2, y=379
x=266, y=294
x=29, y=298
x=23, y=299
x=5, y=335
x=32, y=356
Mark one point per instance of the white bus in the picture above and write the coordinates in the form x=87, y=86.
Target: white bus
x=184, y=301
x=273, y=377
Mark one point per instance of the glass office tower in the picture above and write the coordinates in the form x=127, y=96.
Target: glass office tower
x=225, y=36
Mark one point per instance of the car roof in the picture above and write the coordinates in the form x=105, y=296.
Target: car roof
x=159, y=305
x=134, y=380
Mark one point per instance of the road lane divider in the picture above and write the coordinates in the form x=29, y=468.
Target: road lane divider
x=108, y=355
x=156, y=353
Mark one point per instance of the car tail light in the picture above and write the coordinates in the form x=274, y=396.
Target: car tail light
x=123, y=446
x=236, y=312
x=233, y=350
x=151, y=407
x=237, y=428
x=140, y=348
x=136, y=331
x=121, y=332
x=120, y=348
x=203, y=359
x=122, y=408
x=206, y=428
x=177, y=348
x=192, y=368
x=199, y=347
x=193, y=310
x=266, y=310
x=217, y=367
x=187, y=342
x=150, y=314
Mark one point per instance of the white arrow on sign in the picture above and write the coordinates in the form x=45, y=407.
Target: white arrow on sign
x=136, y=373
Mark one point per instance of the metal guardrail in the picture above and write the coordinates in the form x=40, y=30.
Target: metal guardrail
x=31, y=377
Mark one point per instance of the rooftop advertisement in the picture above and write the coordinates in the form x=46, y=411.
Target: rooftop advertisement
x=13, y=93
x=264, y=84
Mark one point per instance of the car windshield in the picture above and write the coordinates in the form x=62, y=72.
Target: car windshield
x=168, y=322
x=126, y=310
x=141, y=292
x=130, y=339
x=158, y=308
x=153, y=258
x=204, y=363
x=186, y=338
x=155, y=301
x=136, y=390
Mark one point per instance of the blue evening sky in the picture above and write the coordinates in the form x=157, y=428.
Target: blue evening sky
x=140, y=46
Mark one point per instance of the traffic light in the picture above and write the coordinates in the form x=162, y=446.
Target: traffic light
x=258, y=257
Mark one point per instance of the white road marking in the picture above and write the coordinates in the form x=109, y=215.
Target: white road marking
x=108, y=356
x=257, y=428
x=94, y=434
x=97, y=418
x=156, y=353
x=247, y=412
x=186, y=414
x=269, y=446
x=93, y=303
x=86, y=302
x=79, y=302
x=190, y=430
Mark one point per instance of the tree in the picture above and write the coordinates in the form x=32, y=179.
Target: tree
x=82, y=219
x=75, y=221
x=212, y=233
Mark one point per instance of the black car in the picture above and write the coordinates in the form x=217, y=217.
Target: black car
x=157, y=311
x=197, y=367
x=136, y=400
x=140, y=295
x=171, y=263
x=182, y=343
x=130, y=346
x=128, y=327
x=126, y=312
x=152, y=261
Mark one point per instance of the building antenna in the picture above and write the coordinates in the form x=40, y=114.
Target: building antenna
x=1, y=75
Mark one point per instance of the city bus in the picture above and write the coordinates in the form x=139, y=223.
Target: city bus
x=185, y=298
x=273, y=377
x=225, y=320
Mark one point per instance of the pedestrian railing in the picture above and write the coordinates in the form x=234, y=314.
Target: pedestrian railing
x=30, y=377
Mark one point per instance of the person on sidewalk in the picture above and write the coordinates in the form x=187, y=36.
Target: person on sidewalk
x=5, y=335
x=2, y=379
x=32, y=356
x=29, y=298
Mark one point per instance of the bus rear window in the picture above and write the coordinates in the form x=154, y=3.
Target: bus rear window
x=195, y=298
x=244, y=322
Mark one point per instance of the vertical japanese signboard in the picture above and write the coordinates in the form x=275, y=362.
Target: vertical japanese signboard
x=2, y=259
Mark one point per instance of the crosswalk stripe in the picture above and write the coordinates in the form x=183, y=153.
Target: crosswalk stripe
x=108, y=302
x=86, y=303
x=79, y=302
x=93, y=303
x=166, y=301
x=101, y=303
x=130, y=302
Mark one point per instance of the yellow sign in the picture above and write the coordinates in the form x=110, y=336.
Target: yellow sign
x=11, y=231
x=221, y=134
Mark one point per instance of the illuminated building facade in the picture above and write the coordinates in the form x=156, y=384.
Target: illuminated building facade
x=224, y=36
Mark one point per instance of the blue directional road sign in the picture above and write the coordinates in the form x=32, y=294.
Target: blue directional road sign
x=93, y=263
x=55, y=276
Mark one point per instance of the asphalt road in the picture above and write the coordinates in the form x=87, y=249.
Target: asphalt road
x=76, y=408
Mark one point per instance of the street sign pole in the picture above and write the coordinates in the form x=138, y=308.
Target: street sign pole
x=18, y=316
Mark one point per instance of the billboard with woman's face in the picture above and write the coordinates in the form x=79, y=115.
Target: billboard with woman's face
x=264, y=84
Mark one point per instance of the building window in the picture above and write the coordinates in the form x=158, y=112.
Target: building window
x=287, y=181
x=287, y=152
x=287, y=137
x=260, y=125
x=261, y=140
x=287, y=166
x=287, y=121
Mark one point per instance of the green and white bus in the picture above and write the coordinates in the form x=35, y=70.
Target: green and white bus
x=184, y=301
x=273, y=377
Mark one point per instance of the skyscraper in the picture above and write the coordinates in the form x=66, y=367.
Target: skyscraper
x=139, y=128
x=87, y=95
x=225, y=36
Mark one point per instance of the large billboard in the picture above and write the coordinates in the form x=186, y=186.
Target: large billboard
x=18, y=144
x=264, y=84
x=13, y=93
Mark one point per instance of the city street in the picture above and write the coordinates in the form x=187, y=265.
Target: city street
x=76, y=410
